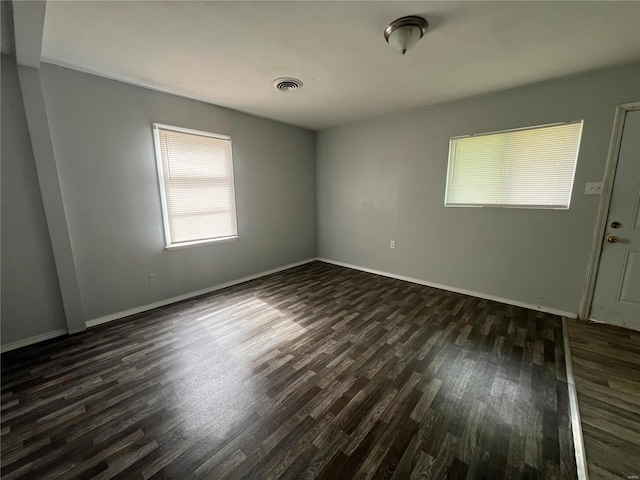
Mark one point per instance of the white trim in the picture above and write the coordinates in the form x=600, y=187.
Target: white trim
x=576, y=425
x=197, y=243
x=157, y=127
x=161, y=126
x=603, y=210
x=133, y=311
x=163, y=195
x=31, y=340
x=508, y=301
x=504, y=159
x=509, y=130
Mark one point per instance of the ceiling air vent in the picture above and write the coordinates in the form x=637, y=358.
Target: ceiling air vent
x=287, y=84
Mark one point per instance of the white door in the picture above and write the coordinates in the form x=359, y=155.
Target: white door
x=616, y=298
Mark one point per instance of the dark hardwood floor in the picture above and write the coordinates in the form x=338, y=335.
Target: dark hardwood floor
x=606, y=367
x=316, y=372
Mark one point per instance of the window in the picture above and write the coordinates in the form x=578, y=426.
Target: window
x=527, y=168
x=195, y=172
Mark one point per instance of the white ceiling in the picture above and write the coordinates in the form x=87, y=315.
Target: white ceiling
x=228, y=53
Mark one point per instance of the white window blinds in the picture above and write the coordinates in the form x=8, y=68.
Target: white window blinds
x=195, y=170
x=528, y=168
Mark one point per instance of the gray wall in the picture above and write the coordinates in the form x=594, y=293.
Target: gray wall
x=367, y=183
x=103, y=143
x=31, y=302
x=384, y=179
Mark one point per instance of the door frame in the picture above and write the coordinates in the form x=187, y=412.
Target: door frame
x=603, y=210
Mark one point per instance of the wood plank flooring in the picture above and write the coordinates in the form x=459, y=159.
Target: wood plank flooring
x=606, y=367
x=318, y=372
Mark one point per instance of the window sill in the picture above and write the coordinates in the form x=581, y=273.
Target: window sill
x=525, y=207
x=180, y=246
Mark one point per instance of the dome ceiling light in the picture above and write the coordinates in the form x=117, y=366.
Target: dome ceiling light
x=404, y=33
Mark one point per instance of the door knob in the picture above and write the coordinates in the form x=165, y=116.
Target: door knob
x=612, y=239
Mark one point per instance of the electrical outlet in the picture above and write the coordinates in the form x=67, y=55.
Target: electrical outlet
x=593, y=188
x=153, y=279
x=392, y=244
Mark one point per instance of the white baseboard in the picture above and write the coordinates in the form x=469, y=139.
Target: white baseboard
x=168, y=301
x=508, y=301
x=31, y=340
x=133, y=311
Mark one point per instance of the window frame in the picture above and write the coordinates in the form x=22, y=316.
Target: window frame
x=156, y=127
x=511, y=130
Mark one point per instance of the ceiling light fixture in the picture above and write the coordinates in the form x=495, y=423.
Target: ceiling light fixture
x=404, y=33
x=287, y=84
